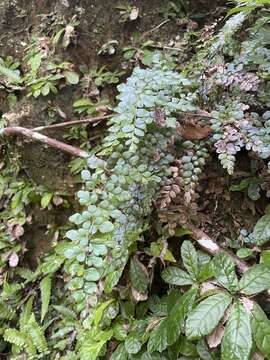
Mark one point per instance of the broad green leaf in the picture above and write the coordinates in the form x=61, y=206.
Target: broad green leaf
x=265, y=257
x=261, y=330
x=45, y=289
x=120, y=353
x=100, y=310
x=132, y=344
x=138, y=275
x=190, y=259
x=46, y=199
x=244, y=253
x=237, y=339
x=241, y=186
x=225, y=272
x=182, y=231
x=71, y=77
x=261, y=231
x=157, y=341
x=175, y=276
x=206, y=316
x=255, y=280
x=178, y=315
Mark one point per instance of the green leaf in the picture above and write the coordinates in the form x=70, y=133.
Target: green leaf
x=237, y=339
x=12, y=75
x=203, y=320
x=46, y=199
x=120, y=353
x=261, y=330
x=138, y=275
x=71, y=77
x=132, y=344
x=100, y=310
x=182, y=231
x=45, y=289
x=175, y=276
x=255, y=279
x=190, y=259
x=82, y=102
x=157, y=341
x=244, y=253
x=225, y=272
x=106, y=227
x=92, y=275
x=265, y=257
x=261, y=231
x=178, y=315
x=241, y=186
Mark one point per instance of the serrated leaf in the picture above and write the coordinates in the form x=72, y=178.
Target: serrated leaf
x=237, y=340
x=225, y=272
x=190, y=259
x=261, y=232
x=120, y=353
x=175, y=276
x=261, y=330
x=205, y=317
x=157, y=341
x=138, y=275
x=179, y=313
x=255, y=280
x=132, y=344
x=45, y=289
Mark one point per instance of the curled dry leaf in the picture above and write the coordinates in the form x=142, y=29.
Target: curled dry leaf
x=138, y=296
x=13, y=260
x=57, y=200
x=134, y=14
x=17, y=231
x=258, y=356
x=215, y=338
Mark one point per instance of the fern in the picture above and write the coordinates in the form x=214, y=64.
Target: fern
x=37, y=335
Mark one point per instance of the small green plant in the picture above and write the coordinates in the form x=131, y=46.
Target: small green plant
x=127, y=13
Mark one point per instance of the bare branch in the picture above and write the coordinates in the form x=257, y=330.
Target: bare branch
x=212, y=247
x=74, y=122
x=17, y=130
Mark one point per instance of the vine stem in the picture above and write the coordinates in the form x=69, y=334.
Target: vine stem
x=34, y=135
x=212, y=248
x=74, y=122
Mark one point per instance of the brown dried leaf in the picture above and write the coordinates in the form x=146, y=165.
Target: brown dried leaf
x=215, y=338
x=134, y=14
x=17, y=231
x=13, y=260
x=139, y=296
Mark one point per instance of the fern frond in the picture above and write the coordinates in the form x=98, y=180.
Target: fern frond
x=15, y=337
x=6, y=313
x=65, y=312
x=37, y=335
x=26, y=313
x=45, y=289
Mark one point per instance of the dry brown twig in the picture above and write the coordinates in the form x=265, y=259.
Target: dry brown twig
x=17, y=130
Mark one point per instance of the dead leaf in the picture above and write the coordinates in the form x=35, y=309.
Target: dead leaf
x=13, y=260
x=134, y=14
x=138, y=296
x=193, y=131
x=57, y=200
x=215, y=338
x=17, y=231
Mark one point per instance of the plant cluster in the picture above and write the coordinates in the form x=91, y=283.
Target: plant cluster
x=108, y=290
